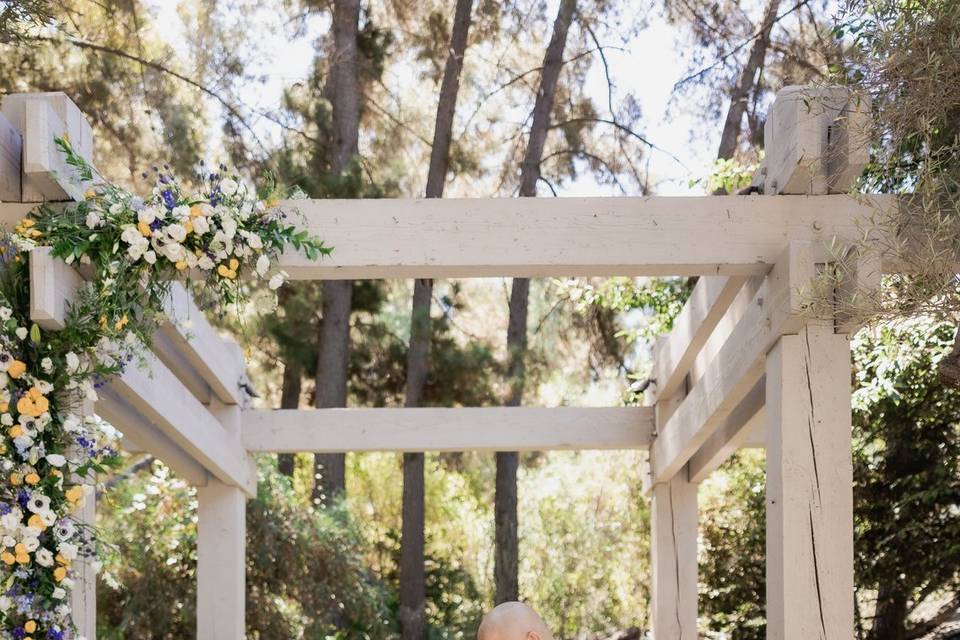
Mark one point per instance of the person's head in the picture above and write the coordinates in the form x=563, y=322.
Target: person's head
x=513, y=621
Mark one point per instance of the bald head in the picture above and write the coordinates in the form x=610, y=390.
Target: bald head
x=513, y=621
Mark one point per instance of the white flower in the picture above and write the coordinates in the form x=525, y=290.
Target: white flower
x=93, y=219
x=181, y=212
x=5, y=313
x=64, y=530
x=73, y=362
x=263, y=263
x=38, y=502
x=5, y=603
x=229, y=226
x=254, y=241
x=138, y=248
x=147, y=215
x=9, y=541
x=6, y=420
x=176, y=232
x=68, y=551
x=116, y=208
x=205, y=263
x=277, y=280
x=228, y=186
x=201, y=225
x=22, y=333
x=174, y=252
x=58, y=594
x=32, y=543
x=56, y=460
x=44, y=558
x=150, y=256
x=47, y=365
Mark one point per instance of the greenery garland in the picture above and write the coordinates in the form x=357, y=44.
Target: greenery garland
x=131, y=250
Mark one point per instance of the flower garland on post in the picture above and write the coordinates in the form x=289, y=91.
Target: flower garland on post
x=130, y=249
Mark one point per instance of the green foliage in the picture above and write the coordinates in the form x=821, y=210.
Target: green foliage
x=729, y=175
x=906, y=453
x=906, y=467
x=732, y=554
x=306, y=577
x=19, y=17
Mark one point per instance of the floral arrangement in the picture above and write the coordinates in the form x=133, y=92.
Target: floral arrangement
x=130, y=249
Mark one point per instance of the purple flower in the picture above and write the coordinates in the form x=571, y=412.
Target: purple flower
x=168, y=198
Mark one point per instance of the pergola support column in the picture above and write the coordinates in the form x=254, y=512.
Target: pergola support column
x=809, y=487
x=221, y=546
x=221, y=561
x=674, y=547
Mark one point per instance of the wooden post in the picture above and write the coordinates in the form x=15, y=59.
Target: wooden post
x=83, y=595
x=221, y=547
x=809, y=487
x=221, y=558
x=673, y=548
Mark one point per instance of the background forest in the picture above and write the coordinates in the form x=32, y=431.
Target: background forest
x=348, y=99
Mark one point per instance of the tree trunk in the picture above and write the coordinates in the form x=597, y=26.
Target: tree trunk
x=343, y=91
x=412, y=541
x=889, y=622
x=745, y=84
x=506, y=553
x=289, y=399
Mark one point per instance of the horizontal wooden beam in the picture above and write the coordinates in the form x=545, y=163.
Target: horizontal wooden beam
x=456, y=429
x=675, y=352
x=146, y=436
x=742, y=428
x=218, y=362
x=542, y=237
x=167, y=404
x=738, y=365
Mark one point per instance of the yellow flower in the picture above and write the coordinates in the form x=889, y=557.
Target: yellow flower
x=144, y=229
x=59, y=574
x=23, y=558
x=196, y=211
x=4, y=407
x=57, y=473
x=15, y=431
x=231, y=271
x=16, y=369
x=181, y=265
x=74, y=493
x=36, y=522
x=63, y=561
x=15, y=479
x=30, y=626
x=7, y=558
x=121, y=323
x=188, y=226
x=32, y=478
x=89, y=193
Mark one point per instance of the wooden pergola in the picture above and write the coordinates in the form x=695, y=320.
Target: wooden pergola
x=743, y=367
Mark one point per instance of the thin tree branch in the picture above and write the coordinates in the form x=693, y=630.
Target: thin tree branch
x=84, y=44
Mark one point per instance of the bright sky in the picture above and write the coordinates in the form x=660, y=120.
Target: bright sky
x=648, y=67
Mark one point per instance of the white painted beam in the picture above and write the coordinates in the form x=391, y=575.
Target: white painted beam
x=456, y=429
x=53, y=286
x=218, y=362
x=738, y=365
x=540, y=237
x=221, y=562
x=675, y=352
x=40, y=117
x=167, y=404
x=11, y=148
x=734, y=433
x=673, y=547
x=146, y=436
x=809, y=488
x=817, y=140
